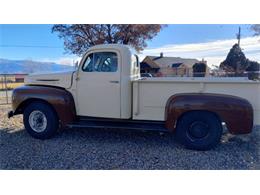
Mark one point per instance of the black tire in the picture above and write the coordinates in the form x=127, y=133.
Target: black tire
x=39, y=128
x=199, y=130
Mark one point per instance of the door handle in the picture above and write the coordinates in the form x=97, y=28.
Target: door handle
x=114, y=81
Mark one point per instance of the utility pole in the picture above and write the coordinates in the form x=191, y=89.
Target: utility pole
x=239, y=36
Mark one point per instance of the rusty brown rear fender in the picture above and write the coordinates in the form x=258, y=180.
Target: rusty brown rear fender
x=61, y=100
x=236, y=112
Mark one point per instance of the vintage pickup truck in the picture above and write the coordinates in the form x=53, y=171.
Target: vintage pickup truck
x=106, y=91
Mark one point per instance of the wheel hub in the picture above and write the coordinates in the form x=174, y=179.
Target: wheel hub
x=38, y=121
x=198, y=130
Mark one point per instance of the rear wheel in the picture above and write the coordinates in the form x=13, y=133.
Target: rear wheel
x=199, y=130
x=40, y=120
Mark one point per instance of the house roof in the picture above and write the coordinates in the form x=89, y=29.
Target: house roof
x=163, y=62
x=148, y=61
x=20, y=76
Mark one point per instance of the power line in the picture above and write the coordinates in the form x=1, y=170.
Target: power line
x=32, y=46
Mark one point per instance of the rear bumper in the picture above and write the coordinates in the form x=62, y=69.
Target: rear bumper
x=10, y=114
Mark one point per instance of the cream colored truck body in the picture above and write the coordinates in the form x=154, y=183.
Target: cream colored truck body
x=150, y=95
x=124, y=94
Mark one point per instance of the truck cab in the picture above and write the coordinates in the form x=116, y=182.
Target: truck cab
x=103, y=82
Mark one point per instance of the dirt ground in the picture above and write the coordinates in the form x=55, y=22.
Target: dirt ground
x=114, y=149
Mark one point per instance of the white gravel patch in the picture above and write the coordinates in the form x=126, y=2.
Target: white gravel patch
x=118, y=149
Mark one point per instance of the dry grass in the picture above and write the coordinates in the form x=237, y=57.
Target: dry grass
x=14, y=123
x=10, y=85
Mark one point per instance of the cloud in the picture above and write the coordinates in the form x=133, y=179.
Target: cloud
x=214, y=51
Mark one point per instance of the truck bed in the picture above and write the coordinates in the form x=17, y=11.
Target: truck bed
x=151, y=94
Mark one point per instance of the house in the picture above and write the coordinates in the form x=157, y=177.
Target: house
x=148, y=65
x=168, y=66
x=19, y=78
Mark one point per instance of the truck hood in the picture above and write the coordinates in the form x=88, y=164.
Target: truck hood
x=59, y=79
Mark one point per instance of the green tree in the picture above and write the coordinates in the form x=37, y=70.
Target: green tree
x=79, y=37
x=199, y=69
x=236, y=61
x=253, y=70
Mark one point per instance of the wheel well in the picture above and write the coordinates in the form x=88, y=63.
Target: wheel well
x=216, y=115
x=27, y=102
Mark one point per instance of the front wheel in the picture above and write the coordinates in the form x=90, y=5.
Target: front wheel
x=199, y=130
x=40, y=120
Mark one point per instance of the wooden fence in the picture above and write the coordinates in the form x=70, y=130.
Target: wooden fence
x=7, y=83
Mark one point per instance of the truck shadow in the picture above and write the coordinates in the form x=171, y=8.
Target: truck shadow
x=122, y=149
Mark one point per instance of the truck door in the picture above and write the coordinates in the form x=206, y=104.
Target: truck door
x=98, y=85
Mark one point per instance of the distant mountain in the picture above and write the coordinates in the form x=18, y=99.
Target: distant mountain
x=28, y=66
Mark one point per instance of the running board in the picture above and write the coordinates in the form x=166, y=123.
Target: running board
x=119, y=124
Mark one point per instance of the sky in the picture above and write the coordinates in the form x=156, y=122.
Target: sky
x=211, y=42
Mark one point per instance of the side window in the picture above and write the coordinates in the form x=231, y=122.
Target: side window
x=88, y=65
x=101, y=62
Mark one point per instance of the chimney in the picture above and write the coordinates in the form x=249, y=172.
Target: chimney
x=161, y=55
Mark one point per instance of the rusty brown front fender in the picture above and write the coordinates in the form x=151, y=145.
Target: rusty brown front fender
x=236, y=112
x=61, y=100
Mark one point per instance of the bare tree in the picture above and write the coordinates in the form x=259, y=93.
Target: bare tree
x=79, y=37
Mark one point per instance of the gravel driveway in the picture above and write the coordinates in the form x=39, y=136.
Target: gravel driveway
x=108, y=149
